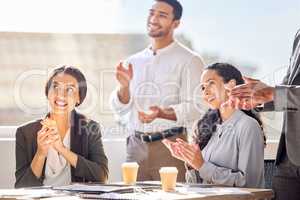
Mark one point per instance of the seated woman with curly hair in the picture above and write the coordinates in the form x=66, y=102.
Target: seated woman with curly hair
x=228, y=146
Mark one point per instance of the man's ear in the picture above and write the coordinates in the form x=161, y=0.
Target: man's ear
x=176, y=23
x=231, y=84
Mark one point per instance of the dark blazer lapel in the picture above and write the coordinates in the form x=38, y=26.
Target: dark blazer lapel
x=76, y=134
x=295, y=61
x=296, y=69
x=34, y=137
x=34, y=145
x=74, y=140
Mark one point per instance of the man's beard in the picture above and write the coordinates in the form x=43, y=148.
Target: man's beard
x=158, y=34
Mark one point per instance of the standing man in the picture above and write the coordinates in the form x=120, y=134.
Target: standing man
x=156, y=93
x=286, y=98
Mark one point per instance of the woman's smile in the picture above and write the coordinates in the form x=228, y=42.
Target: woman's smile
x=61, y=103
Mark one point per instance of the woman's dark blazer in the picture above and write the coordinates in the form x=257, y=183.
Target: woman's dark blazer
x=86, y=142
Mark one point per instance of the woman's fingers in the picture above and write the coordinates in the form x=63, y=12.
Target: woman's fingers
x=180, y=140
x=182, y=149
x=49, y=123
x=185, y=147
x=46, y=122
x=173, y=148
x=186, y=157
x=167, y=143
x=184, y=144
x=43, y=128
x=188, y=152
x=45, y=141
x=195, y=159
x=48, y=136
x=42, y=134
x=53, y=134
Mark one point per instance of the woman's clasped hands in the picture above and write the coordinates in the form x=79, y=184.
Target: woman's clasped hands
x=48, y=136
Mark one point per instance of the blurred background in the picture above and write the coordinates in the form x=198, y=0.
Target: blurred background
x=95, y=35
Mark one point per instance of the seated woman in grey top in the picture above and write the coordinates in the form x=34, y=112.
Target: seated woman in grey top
x=228, y=145
x=64, y=146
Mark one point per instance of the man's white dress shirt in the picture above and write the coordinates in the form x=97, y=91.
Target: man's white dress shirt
x=170, y=77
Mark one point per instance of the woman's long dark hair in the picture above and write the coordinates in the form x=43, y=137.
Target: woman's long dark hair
x=208, y=124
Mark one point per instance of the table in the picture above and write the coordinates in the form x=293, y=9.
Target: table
x=213, y=193
x=261, y=193
x=249, y=194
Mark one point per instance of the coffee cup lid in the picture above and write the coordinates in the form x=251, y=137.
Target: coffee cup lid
x=130, y=164
x=168, y=170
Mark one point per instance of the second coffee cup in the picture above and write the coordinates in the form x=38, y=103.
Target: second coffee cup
x=129, y=172
x=168, y=177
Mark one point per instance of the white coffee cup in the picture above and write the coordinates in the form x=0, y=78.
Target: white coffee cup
x=168, y=177
x=129, y=172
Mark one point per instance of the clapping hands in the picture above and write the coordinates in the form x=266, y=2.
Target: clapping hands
x=148, y=117
x=189, y=153
x=249, y=95
x=124, y=75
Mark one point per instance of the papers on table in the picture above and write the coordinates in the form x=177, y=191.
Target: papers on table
x=145, y=191
x=106, y=188
x=212, y=190
x=94, y=188
x=28, y=193
x=179, y=194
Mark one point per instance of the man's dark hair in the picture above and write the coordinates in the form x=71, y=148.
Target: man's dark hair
x=75, y=73
x=177, y=7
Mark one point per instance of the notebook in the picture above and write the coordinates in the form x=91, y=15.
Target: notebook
x=103, y=188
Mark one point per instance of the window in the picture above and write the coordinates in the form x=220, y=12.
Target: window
x=94, y=35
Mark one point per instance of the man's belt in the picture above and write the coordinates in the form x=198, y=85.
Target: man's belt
x=152, y=137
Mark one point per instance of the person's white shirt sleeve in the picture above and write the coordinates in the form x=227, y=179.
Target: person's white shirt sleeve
x=117, y=106
x=190, y=107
